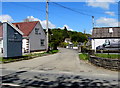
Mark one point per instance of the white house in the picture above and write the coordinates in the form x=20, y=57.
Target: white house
x=104, y=35
x=1, y=38
x=34, y=38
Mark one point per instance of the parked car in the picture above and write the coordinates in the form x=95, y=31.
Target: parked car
x=113, y=45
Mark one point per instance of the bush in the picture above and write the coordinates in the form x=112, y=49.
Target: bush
x=84, y=49
x=63, y=44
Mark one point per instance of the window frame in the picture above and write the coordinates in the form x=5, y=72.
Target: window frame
x=42, y=42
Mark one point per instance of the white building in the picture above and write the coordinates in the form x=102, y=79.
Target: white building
x=34, y=38
x=104, y=35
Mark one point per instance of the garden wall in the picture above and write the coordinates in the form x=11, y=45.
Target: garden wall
x=112, y=64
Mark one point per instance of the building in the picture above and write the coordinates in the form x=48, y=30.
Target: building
x=105, y=36
x=70, y=44
x=12, y=40
x=34, y=38
x=1, y=38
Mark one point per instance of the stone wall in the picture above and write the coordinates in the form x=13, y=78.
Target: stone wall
x=112, y=64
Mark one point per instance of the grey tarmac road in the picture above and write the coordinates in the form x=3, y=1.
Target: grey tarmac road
x=64, y=66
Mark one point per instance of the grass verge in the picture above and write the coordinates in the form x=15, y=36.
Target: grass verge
x=84, y=56
x=111, y=56
x=27, y=57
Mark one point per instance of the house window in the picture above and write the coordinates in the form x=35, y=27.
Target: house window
x=42, y=42
x=15, y=35
x=36, y=30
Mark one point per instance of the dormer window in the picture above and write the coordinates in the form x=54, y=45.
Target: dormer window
x=110, y=30
x=37, y=31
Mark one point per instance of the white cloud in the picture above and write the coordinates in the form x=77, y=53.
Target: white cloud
x=43, y=23
x=100, y=3
x=50, y=25
x=110, y=13
x=103, y=21
x=6, y=18
x=68, y=28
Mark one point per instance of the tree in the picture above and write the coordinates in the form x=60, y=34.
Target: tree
x=57, y=37
x=65, y=33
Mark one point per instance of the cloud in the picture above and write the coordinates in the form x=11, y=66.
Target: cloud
x=6, y=18
x=43, y=23
x=50, y=25
x=68, y=28
x=100, y=3
x=110, y=13
x=103, y=21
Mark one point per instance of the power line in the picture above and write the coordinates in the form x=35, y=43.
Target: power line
x=70, y=9
x=76, y=10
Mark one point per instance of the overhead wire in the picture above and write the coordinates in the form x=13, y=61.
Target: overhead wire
x=68, y=8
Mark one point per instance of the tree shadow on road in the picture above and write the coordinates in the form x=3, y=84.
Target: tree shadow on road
x=54, y=81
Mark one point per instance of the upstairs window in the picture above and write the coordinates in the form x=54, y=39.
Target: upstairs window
x=42, y=42
x=37, y=31
x=15, y=35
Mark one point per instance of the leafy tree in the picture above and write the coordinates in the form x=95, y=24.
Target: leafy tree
x=65, y=33
x=57, y=37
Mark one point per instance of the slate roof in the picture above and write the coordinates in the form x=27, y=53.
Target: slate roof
x=104, y=32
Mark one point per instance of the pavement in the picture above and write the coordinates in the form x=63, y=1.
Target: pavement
x=65, y=66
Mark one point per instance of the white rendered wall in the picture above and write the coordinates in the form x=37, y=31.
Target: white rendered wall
x=1, y=45
x=24, y=45
x=35, y=39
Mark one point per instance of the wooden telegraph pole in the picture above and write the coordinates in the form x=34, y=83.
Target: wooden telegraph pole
x=47, y=42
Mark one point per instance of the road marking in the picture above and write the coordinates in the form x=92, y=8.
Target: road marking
x=9, y=84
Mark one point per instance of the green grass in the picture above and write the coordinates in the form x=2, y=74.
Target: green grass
x=83, y=56
x=111, y=56
x=27, y=56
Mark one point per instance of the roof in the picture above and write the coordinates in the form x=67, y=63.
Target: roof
x=26, y=27
x=1, y=29
x=106, y=32
x=15, y=28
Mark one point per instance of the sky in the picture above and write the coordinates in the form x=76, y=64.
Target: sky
x=76, y=16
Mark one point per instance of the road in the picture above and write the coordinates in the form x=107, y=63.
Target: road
x=66, y=62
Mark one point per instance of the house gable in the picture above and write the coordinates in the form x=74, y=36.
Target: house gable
x=36, y=38
x=12, y=40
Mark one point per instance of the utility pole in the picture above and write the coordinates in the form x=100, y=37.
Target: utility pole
x=93, y=24
x=47, y=26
